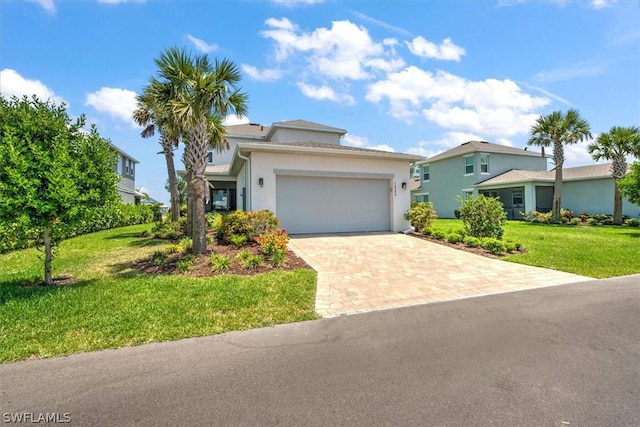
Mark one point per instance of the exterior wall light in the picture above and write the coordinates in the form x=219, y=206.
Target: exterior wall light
x=404, y=185
x=261, y=182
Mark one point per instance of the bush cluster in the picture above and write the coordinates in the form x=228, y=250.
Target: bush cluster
x=249, y=224
x=483, y=217
x=421, y=215
x=22, y=234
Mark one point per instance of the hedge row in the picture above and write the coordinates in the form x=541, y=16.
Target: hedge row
x=21, y=234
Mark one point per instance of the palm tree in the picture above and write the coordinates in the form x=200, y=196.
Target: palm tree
x=152, y=112
x=557, y=130
x=616, y=145
x=202, y=93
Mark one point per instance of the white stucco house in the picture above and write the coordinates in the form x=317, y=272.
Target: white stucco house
x=300, y=171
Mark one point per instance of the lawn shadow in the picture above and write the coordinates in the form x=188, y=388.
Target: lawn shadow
x=634, y=235
x=26, y=290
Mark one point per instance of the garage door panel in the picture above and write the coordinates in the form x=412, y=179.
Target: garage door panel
x=321, y=204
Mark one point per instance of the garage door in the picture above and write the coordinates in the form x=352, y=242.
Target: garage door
x=307, y=204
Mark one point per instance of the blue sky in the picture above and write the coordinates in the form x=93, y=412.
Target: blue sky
x=409, y=76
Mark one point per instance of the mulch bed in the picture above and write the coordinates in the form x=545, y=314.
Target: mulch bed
x=461, y=247
x=200, y=266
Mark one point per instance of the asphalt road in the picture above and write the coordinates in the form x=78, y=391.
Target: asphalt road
x=558, y=356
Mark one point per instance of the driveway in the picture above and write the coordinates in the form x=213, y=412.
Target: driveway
x=375, y=271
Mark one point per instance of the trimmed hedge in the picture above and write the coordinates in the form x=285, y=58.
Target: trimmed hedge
x=21, y=234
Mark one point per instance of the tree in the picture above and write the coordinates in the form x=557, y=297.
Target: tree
x=630, y=184
x=616, y=145
x=51, y=172
x=182, y=189
x=202, y=94
x=557, y=130
x=153, y=111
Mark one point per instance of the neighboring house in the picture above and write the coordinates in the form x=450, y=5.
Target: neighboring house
x=519, y=178
x=456, y=174
x=300, y=171
x=126, y=168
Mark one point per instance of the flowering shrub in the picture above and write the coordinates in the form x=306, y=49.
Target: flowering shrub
x=273, y=241
x=249, y=224
x=566, y=213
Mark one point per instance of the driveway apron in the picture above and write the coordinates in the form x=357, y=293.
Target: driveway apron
x=375, y=271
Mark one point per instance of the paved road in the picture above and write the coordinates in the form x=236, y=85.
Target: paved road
x=544, y=357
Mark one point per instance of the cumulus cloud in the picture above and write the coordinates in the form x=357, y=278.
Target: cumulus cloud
x=324, y=93
x=47, y=5
x=201, y=45
x=13, y=84
x=446, y=51
x=490, y=107
x=362, y=142
x=234, y=119
x=265, y=75
x=117, y=103
x=432, y=147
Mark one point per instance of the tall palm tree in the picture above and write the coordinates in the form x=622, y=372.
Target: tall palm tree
x=202, y=94
x=152, y=112
x=557, y=130
x=616, y=145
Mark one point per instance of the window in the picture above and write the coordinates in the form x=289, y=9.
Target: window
x=493, y=194
x=421, y=197
x=210, y=157
x=517, y=196
x=467, y=194
x=425, y=173
x=484, y=163
x=126, y=166
x=132, y=168
x=468, y=165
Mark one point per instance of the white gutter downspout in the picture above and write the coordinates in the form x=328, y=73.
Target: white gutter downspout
x=247, y=177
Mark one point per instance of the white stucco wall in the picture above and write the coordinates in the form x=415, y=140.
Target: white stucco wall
x=264, y=165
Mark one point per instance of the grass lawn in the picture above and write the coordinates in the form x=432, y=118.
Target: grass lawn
x=598, y=251
x=112, y=305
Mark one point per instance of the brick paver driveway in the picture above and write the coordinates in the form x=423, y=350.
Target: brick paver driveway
x=374, y=271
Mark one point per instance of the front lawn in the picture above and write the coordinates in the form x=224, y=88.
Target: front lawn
x=111, y=305
x=594, y=251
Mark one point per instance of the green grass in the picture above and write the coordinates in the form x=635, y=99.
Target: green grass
x=598, y=251
x=114, y=306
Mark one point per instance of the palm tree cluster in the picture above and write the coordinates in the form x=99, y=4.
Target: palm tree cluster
x=187, y=102
x=558, y=129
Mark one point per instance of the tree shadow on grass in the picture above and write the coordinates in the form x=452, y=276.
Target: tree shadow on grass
x=35, y=289
x=633, y=235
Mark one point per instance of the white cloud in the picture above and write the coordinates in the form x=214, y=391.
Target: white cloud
x=601, y=4
x=322, y=93
x=381, y=24
x=117, y=103
x=293, y=3
x=266, y=75
x=362, y=142
x=47, y=5
x=13, y=84
x=573, y=71
x=235, y=120
x=201, y=45
x=446, y=51
x=344, y=51
x=489, y=107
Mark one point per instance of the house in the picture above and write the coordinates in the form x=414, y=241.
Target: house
x=300, y=171
x=456, y=174
x=518, y=177
x=126, y=168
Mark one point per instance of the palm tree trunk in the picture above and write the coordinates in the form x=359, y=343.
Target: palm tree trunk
x=48, y=256
x=198, y=158
x=173, y=181
x=189, y=177
x=558, y=159
x=617, y=205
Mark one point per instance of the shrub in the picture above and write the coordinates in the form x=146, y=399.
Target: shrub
x=158, y=258
x=591, y=221
x=248, y=260
x=510, y=245
x=183, y=265
x=438, y=234
x=472, y=242
x=575, y=221
x=238, y=240
x=483, y=217
x=421, y=215
x=261, y=222
x=277, y=258
x=566, y=213
x=456, y=213
x=564, y=220
x=185, y=244
x=165, y=230
x=273, y=241
x=182, y=224
x=249, y=224
x=493, y=245
x=219, y=263
x=633, y=222
x=583, y=216
x=454, y=237
x=538, y=217
x=608, y=221
x=172, y=249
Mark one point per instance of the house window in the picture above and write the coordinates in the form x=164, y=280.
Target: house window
x=493, y=194
x=467, y=194
x=132, y=168
x=425, y=173
x=517, y=196
x=468, y=165
x=210, y=157
x=126, y=166
x=484, y=163
x=421, y=197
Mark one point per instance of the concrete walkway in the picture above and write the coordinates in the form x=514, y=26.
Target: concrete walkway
x=375, y=271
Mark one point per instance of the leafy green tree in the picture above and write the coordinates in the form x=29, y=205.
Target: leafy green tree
x=616, y=145
x=202, y=94
x=483, y=217
x=52, y=173
x=630, y=184
x=557, y=130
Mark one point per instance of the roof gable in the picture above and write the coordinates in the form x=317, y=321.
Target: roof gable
x=304, y=125
x=471, y=147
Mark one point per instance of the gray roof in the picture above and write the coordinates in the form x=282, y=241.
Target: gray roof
x=304, y=124
x=248, y=130
x=568, y=174
x=479, y=146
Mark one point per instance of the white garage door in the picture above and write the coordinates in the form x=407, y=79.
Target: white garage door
x=307, y=204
